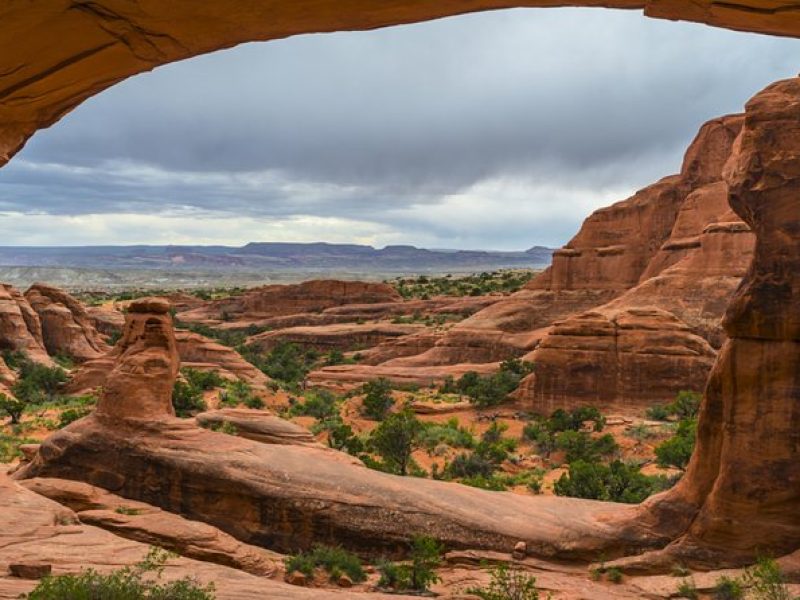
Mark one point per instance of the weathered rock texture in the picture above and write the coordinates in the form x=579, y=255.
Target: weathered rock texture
x=150, y=525
x=104, y=42
x=277, y=300
x=34, y=529
x=67, y=329
x=345, y=336
x=20, y=328
x=199, y=352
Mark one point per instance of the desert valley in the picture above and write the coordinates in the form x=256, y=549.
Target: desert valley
x=617, y=418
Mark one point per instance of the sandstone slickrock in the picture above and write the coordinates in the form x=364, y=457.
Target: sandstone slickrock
x=67, y=328
x=150, y=525
x=277, y=300
x=34, y=529
x=107, y=321
x=346, y=336
x=104, y=42
x=259, y=425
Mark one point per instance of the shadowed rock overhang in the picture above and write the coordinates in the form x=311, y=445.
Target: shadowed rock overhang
x=54, y=54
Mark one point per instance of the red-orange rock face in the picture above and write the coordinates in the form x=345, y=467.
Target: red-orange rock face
x=20, y=328
x=67, y=328
x=277, y=300
x=140, y=384
x=199, y=352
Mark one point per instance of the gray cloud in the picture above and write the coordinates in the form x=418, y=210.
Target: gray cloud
x=408, y=128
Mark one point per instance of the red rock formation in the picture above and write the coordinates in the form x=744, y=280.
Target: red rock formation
x=199, y=352
x=20, y=328
x=277, y=300
x=104, y=42
x=146, y=365
x=66, y=326
x=346, y=336
x=107, y=321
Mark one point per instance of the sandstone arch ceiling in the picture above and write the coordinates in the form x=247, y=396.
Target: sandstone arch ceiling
x=54, y=54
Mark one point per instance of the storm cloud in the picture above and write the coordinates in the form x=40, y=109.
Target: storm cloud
x=494, y=130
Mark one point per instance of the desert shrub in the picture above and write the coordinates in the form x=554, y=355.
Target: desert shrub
x=579, y=445
x=395, y=439
x=614, y=575
x=561, y=420
x=37, y=384
x=377, y=398
x=617, y=482
x=489, y=390
x=12, y=407
x=286, y=362
x=766, y=581
x=657, y=412
x=202, y=380
x=687, y=589
x=318, y=403
x=419, y=573
x=187, y=399
x=335, y=560
x=470, y=465
x=238, y=392
x=71, y=415
x=9, y=447
x=450, y=433
x=686, y=405
x=340, y=435
x=140, y=582
x=677, y=450
x=508, y=584
x=727, y=588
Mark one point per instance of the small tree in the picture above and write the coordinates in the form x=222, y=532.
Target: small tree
x=677, y=450
x=395, y=439
x=12, y=407
x=187, y=399
x=377, y=398
x=508, y=584
x=418, y=574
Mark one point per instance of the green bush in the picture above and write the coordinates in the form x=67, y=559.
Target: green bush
x=508, y=584
x=286, y=362
x=579, y=445
x=377, y=398
x=687, y=589
x=238, y=392
x=141, y=582
x=766, y=581
x=728, y=588
x=395, y=439
x=187, y=399
x=319, y=403
x=335, y=560
x=71, y=415
x=340, y=435
x=616, y=482
x=677, y=450
x=419, y=573
x=450, y=433
x=202, y=380
x=38, y=384
x=12, y=407
x=489, y=390
x=658, y=412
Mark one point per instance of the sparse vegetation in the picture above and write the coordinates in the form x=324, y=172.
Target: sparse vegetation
x=140, y=582
x=395, y=439
x=489, y=390
x=419, y=573
x=424, y=286
x=336, y=561
x=508, y=583
x=187, y=400
x=238, y=392
x=677, y=450
x=616, y=482
x=319, y=403
x=377, y=399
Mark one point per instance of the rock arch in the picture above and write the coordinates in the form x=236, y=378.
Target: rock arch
x=742, y=490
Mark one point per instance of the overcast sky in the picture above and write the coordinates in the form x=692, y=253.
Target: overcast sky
x=497, y=130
